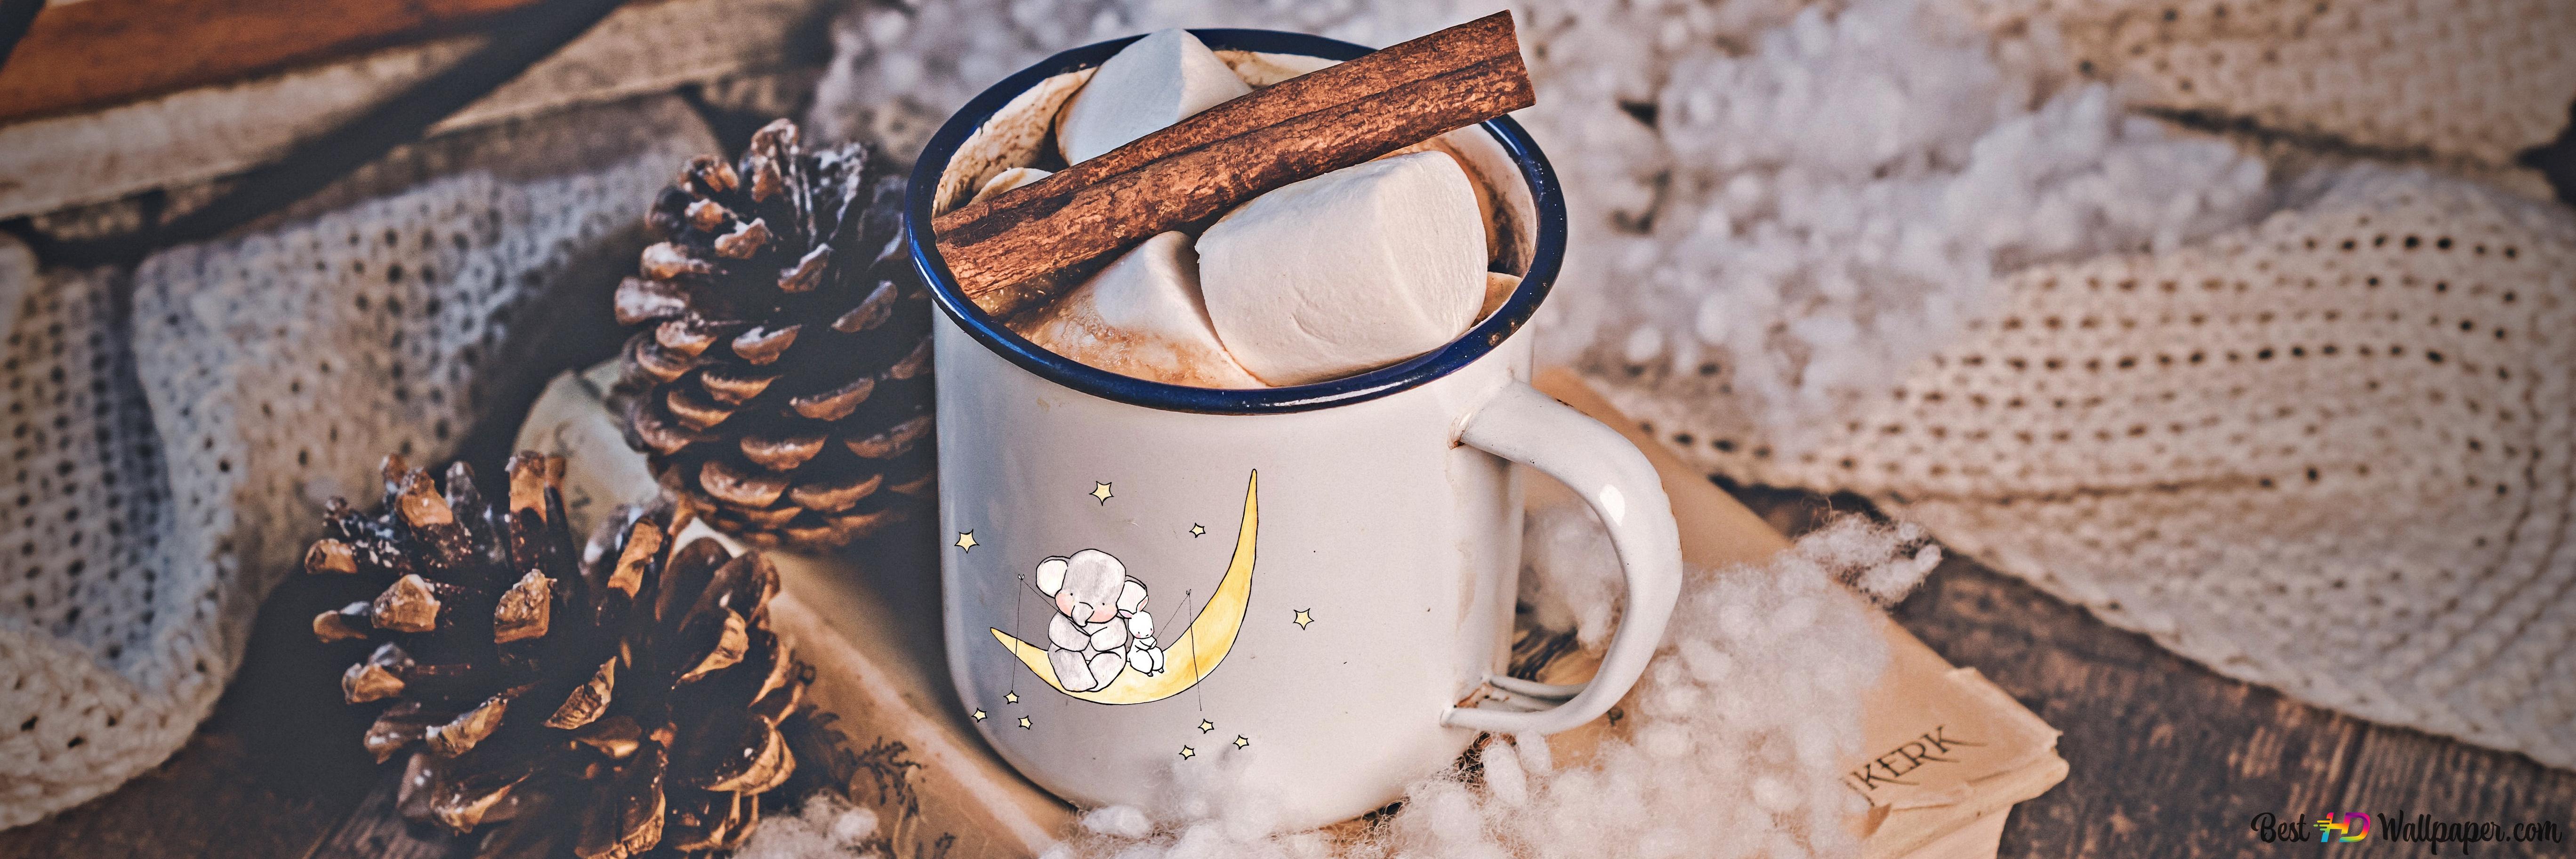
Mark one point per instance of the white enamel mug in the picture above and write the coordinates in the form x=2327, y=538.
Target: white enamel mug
x=1306, y=591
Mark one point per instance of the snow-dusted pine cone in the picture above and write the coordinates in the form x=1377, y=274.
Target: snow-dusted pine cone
x=783, y=388
x=602, y=702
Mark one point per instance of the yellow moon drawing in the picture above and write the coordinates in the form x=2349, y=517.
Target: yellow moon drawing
x=1192, y=655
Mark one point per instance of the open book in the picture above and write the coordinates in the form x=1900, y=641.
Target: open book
x=1948, y=754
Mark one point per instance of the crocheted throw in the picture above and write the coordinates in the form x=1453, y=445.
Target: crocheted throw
x=2334, y=453
x=170, y=458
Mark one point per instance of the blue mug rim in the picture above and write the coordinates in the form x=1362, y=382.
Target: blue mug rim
x=1546, y=259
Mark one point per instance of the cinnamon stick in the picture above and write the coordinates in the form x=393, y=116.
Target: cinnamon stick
x=1006, y=250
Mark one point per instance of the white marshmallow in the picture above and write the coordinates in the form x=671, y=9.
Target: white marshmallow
x=1156, y=81
x=1142, y=317
x=1346, y=272
x=1475, y=181
x=1007, y=180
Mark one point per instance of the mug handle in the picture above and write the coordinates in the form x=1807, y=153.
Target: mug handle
x=1528, y=427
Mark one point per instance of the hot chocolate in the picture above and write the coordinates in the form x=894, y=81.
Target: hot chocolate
x=1332, y=276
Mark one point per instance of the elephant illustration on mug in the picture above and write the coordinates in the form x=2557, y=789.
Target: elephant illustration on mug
x=1100, y=627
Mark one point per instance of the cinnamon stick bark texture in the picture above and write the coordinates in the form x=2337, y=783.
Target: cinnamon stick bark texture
x=1006, y=250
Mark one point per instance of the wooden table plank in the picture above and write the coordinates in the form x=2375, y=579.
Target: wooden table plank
x=2165, y=758
x=2170, y=759
x=375, y=830
x=2398, y=770
x=100, y=52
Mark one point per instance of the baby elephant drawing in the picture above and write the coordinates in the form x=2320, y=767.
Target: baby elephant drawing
x=1100, y=626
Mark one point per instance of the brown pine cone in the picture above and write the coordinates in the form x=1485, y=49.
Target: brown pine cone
x=604, y=702
x=783, y=386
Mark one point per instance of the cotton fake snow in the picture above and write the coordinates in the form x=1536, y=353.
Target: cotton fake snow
x=828, y=826
x=1733, y=748
x=1812, y=213
x=1799, y=198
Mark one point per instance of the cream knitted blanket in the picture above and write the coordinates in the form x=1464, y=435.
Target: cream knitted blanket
x=170, y=449
x=2334, y=453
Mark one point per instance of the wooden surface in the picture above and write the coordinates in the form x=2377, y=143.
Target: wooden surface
x=2169, y=760
x=100, y=52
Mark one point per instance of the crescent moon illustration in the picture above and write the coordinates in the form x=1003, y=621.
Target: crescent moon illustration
x=1197, y=650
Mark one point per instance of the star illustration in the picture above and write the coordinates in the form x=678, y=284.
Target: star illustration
x=1187, y=753
x=1024, y=721
x=1010, y=697
x=966, y=540
x=979, y=714
x=1101, y=491
x=1206, y=726
x=1198, y=530
x=1242, y=742
x=1304, y=617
